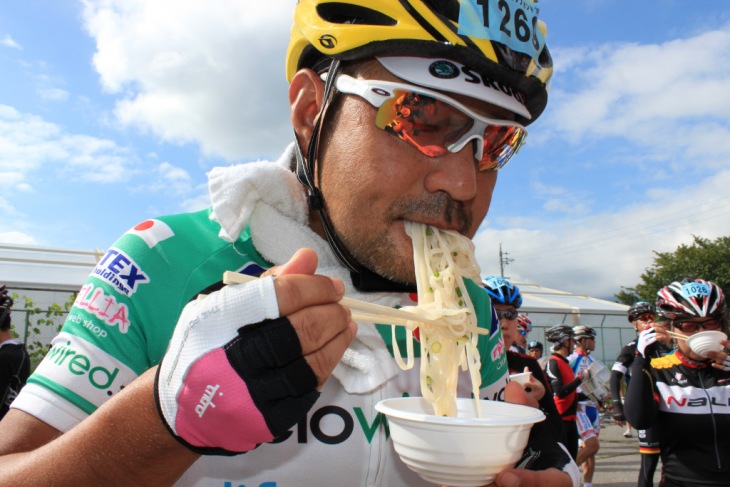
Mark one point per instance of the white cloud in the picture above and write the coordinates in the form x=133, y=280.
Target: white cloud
x=53, y=94
x=11, y=179
x=6, y=208
x=213, y=76
x=668, y=98
x=14, y=237
x=29, y=144
x=602, y=252
x=197, y=203
x=169, y=179
x=8, y=41
x=654, y=121
x=174, y=174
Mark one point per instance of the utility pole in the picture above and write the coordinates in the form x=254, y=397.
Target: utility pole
x=503, y=261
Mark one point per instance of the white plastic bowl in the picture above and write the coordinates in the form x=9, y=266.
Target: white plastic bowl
x=522, y=378
x=706, y=341
x=465, y=451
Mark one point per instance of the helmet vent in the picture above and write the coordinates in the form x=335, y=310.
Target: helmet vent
x=346, y=13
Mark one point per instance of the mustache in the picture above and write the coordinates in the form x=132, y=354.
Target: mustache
x=439, y=206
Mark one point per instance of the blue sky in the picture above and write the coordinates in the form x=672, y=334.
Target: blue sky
x=113, y=111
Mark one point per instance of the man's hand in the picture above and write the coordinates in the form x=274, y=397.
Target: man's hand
x=721, y=359
x=551, y=477
x=514, y=477
x=584, y=375
x=618, y=415
x=647, y=338
x=534, y=387
x=247, y=362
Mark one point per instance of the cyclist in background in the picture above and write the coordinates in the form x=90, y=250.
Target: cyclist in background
x=524, y=327
x=685, y=393
x=14, y=357
x=640, y=315
x=564, y=384
x=587, y=418
x=506, y=300
x=536, y=351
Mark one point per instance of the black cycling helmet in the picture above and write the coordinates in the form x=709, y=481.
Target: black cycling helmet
x=534, y=345
x=638, y=309
x=558, y=333
x=691, y=298
x=502, y=291
x=583, y=331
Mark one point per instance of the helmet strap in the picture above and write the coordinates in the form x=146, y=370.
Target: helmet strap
x=363, y=279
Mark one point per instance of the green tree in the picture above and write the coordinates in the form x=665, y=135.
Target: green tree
x=704, y=259
x=41, y=325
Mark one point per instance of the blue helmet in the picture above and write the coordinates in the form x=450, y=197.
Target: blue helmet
x=502, y=291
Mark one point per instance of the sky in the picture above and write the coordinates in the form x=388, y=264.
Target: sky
x=113, y=111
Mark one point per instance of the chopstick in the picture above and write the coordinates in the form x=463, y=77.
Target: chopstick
x=369, y=311
x=676, y=335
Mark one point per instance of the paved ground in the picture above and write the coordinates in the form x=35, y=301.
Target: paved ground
x=617, y=462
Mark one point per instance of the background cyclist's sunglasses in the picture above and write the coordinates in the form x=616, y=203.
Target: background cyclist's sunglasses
x=509, y=314
x=646, y=317
x=693, y=326
x=435, y=124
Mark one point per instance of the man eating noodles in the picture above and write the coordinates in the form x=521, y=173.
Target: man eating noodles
x=401, y=111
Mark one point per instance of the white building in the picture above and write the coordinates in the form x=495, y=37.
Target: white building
x=51, y=275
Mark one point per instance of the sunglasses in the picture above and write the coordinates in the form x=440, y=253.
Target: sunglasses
x=522, y=332
x=509, y=314
x=693, y=326
x=647, y=317
x=436, y=124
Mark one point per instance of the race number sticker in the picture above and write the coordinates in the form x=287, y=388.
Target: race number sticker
x=510, y=22
x=695, y=289
x=496, y=282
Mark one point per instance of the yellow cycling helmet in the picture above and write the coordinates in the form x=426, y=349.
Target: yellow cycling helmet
x=502, y=41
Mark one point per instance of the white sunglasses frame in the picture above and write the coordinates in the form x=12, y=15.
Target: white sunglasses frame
x=377, y=92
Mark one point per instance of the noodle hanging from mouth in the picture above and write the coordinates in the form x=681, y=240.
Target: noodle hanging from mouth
x=442, y=260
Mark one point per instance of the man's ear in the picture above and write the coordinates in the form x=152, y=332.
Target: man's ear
x=306, y=92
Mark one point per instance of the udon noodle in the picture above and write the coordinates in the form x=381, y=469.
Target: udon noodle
x=443, y=259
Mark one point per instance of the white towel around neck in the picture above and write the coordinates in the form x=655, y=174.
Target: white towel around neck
x=269, y=197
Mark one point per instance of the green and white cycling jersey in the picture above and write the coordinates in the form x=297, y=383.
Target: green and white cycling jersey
x=125, y=314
